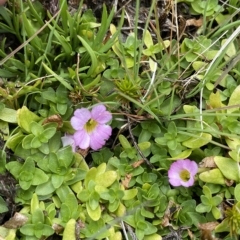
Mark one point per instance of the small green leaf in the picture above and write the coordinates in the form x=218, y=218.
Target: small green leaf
x=130, y=194
x=45, y=189
x=57, y=180
x=234, y=100
x=37, y=216
x=106, y=179
x=202, y=208
x=47, y=134
x=25, y=117
x=39, y=177
x=172, y=129
x=8, y=115
x=35, y=128
x=26, y=143
x=124, y=142
x=144, y=146
x=91, y=175
x=35, y=143
x=198, y=141
x=27, y=229
x=216, y=212
x=94, y=214
x=184, y=154
x=216, y=200
x=212, y=176
x=70, y=230
x=228, y=167
x=237, y=192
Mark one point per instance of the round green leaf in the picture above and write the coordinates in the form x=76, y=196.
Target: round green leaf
x=26, y=143
x=25, y=117
x=45, y=189
x=8, y=115
x=182, y=155
x=94, y=214
x=234, y=100
x=216, y=212
x=228, y=167
x=237, y=192
x=198, y=141
x=130, y=194
x=213, y=176
x=106, y=179
x=39, y=177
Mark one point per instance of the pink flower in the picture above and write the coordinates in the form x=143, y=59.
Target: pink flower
x=91, y=128
x=69, y=140
x=182, y=173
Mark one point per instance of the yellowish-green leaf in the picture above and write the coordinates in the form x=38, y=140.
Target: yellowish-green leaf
x=197, y=65
x=184, y=154
x=233, y=143
x=148, y=39
x=106, y=179
x=101, y=168
x=212, y=176
x=91, y=175
x=144, y=145
x=154, y=236
x=25, y=117
x=94, y=214
x=121, y=210
x=130, y=194
x=231, y=49
x=198, y=141
x=234, y=100
x=228, y=167
x=8, y=115
x=69, y=230
x=215, y=100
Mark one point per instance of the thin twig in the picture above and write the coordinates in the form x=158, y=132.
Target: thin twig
x=26, y=42
x=124, y=230
x=130, y=230
x=136, y=145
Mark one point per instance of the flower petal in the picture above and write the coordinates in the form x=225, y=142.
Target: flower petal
x=100, y=114
x=103, y=131
x=82, y=139
x=99, y=136
x=182, y=165
x=189, y=183
x=191, y=166
x=175, y=182
x=69, y=140
x=95, y=144
x=81, y=116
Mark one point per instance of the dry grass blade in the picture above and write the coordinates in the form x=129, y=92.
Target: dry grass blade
x=26, y=42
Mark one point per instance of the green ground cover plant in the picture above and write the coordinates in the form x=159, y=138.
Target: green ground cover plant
x=114, y=135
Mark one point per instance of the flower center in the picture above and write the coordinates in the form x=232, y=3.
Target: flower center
x=185, y=175
x=90, y=125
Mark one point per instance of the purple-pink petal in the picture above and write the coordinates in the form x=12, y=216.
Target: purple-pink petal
x=99, y=136
x=182, y=165
x=81, y=116
x=191, y=166
x=82, y=112
x=82, y=139
x=100, y=114
x=96, y=133
x=96, y=144
x=103, y=131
